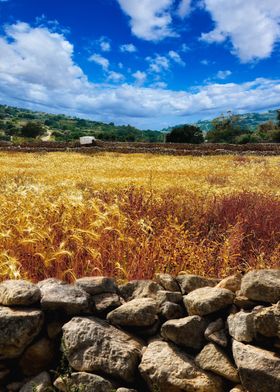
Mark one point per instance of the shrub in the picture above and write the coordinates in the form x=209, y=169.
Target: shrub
x=185, y=134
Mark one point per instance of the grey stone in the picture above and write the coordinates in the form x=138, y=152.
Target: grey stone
x=139, y=312
x=18, y=328
x=267, y=321
x=168, y=369
x=262, y=285
x=19, y=293
x=97, y=285
x=92, y=345
x=139, y=289
x=187, y=332
x=167, y=282
x=207, y=300
x=106, y=302
x=40, y=383
x=84, y=382
x=216, y=333
x=169, y=296
x=190, y=282
x=231, y=283
x=241, y=326
x=170, y=311
x=259, y=369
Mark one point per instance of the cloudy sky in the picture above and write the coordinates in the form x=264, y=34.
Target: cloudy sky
x=149, y=63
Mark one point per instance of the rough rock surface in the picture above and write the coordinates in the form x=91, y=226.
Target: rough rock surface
x=97, y=285
x=140, y=312
x=190, y=282
x=267, y=321
x=216, y=333
x=187, y=332
x=139, y=289
x=167, y=281
x=170, y=311
x=207, y=300
x=262, y=285
x=259, y=369
x=168, y=296
x=92, y=345
x=37, y=357
x=18, y=328
x=63, y=297
x=166, y=368
x=241, y=326
x=40, y=383
x=18, y=293
x=106, y=302
x=84, y=382
x=231, y=283
x=214, y=359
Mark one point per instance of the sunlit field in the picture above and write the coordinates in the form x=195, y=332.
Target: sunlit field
x=68, y=215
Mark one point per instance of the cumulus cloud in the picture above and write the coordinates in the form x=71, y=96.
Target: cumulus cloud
x=176, y=57
x=252, y=26
x=223, y=74
x=115, y=76
x=158, y=63
x=140, y=76
x=37, y=70
x=105, y=45
x=149, y=19
x=184, y=8
x=130, y=48
x=100, y=60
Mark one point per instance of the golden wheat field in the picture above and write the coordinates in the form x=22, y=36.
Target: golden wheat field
x=68, y=215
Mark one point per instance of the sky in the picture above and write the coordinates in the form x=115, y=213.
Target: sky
x=148, y=63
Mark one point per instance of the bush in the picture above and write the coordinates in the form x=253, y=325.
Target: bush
x=226, y=129
x=185, y=134
x=32, y=129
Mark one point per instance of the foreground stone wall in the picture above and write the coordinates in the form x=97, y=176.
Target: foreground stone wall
x=185, y=333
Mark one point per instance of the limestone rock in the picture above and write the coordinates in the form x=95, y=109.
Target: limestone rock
x=37, y=357
x=63, y=297
x=207, y=300
x=213, y=358
x=106, y=302
x=267, y=321
x=262, y=285
x=190, y=282
x=139, y=312
x=166, y=368
x=171, y=311
x=168, y=296
x=216, y=333
x=187, y=332
x=83, y=382
x=259, y=369
x=92, y=345
x=241, y=326
x=97, y=285
x=231, y=283
x=18, y=293
x=167, y=282
x=40, y=383
x=18, y=328
x=139, y=289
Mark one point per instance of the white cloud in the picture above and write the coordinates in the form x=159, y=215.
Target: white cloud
x=140, y=76
x=149, y=19
x=223, y=74
x=37, y=71
x=130, y=48
x=100, y=60
x=158, y=63
x=252, y=26
x=176, y=57
x=184, y=8
x=115, y=76
x=105, y=45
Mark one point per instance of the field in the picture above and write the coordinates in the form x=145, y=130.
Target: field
x=67, y=215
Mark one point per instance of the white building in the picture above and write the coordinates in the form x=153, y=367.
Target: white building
x=84, y=140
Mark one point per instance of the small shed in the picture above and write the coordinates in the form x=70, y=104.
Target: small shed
x=85, y=140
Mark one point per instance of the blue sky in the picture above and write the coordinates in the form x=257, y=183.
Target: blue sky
x=149, y=63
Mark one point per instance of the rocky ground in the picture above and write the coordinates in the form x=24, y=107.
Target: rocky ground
x=184, y=333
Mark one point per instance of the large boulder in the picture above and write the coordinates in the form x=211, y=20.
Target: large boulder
x=139, y=289
x=167, y=282
x=190, y=282
x=18, y=293
x=67, y=298
x=241, y=326
x=171, y=311
x=140, y=312
x=18, y=328
x=262, y=285
x=259, y=369
x=83, y=382
x=37, y=357
x=97, y=285
x=106, y=302
x=92, y=345
x=267, y=321
x=187, y=332
x=214, y=359
x=166, y=368
x=40, y=383
x=207, y=300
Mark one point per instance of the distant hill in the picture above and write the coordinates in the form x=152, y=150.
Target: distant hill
x=247, y=121
x=66, y=128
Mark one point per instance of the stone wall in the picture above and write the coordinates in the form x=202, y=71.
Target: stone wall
x=187, y=333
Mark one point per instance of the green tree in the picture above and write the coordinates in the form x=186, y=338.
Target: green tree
x=32, y=129
x=185, y=134
x=226, y=129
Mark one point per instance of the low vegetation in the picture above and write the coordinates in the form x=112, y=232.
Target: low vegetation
x=68, y=215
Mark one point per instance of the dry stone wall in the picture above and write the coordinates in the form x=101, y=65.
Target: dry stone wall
x=173, y=334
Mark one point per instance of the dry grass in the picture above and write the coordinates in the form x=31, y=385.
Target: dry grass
x=67, y=215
